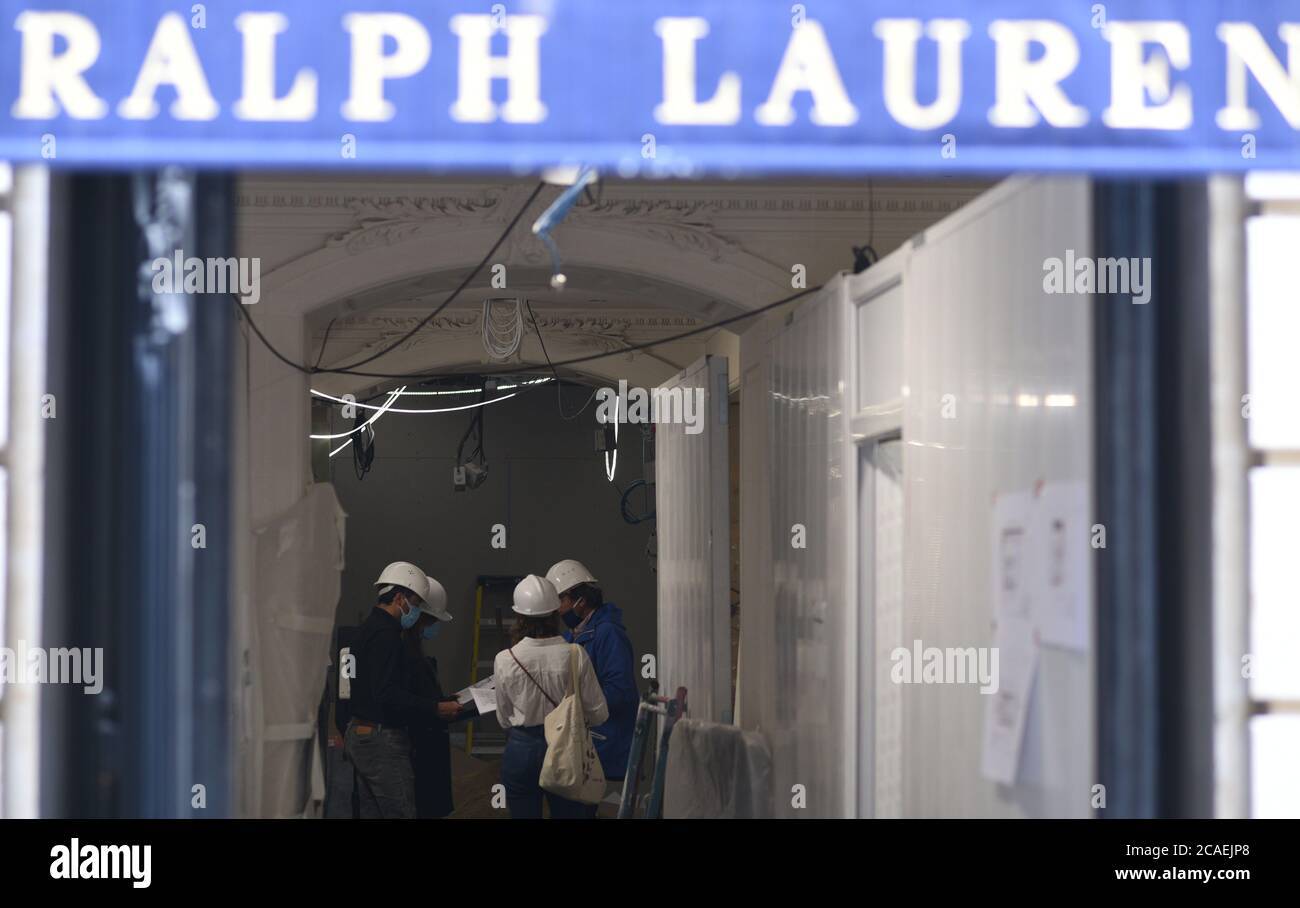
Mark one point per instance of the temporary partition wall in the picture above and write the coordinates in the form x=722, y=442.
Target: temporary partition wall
x=874, y=399
x=796, y=662
x=298, y=563
x=998, y=403
x=693, y=526
x=890, y=415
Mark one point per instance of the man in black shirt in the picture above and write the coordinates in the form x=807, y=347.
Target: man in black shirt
x=383, y=701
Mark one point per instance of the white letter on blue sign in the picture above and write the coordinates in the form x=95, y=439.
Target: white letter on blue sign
x=520, y=67
x=900, y=37
x=171, y=60
x=1020, y=81
x=371, y=67
x=46, y=75
x=1247, y=49
x=808, y=66
x=679, y=106
x=1132, y=78
x=259, y=101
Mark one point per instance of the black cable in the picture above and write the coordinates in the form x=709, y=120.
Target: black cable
x=455, y=293
x=622, y=505
x=630, y=348
x=559, y=397
x=325, y=340
x=348, y=369
x=363, y=449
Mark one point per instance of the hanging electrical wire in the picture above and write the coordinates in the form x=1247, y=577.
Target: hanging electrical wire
x=389, y=348
x=392, y=396
x=471, y=472
x=502, y=327
x=559, y=398
x=391, y=409
x=363, y=450
x=351, y=368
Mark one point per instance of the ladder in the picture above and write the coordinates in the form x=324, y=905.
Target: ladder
x=491, y=635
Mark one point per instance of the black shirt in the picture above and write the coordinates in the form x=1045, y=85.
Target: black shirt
x=384, y=689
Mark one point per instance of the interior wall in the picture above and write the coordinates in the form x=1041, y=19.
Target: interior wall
x=978, y=326
x=797, y=623
x=693, y=493
x=546, y=485
x=978, y=331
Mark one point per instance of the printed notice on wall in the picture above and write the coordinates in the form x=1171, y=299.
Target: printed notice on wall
x=1062, y=527
x=1014, y=576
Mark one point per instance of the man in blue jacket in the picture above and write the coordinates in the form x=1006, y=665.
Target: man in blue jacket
x=597, y=626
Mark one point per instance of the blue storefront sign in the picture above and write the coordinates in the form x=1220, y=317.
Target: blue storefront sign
x=655, y=87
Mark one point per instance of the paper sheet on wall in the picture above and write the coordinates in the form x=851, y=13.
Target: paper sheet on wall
x=1015, y=564
x=1062, y=526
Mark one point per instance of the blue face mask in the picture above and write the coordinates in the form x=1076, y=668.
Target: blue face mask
x=409, y=618
x=431, y=631
x=571, y=619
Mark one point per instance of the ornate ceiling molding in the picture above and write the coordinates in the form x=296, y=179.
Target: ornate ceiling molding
x=597, y=331
x=686, y=226
x=386, y=221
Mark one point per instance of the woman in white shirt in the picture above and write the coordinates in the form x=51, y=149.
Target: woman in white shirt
x=532, y=677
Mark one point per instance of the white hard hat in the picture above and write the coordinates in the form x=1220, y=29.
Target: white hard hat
x=535, y=596
x=433, y=598
x=567, y=574
x=435, y=603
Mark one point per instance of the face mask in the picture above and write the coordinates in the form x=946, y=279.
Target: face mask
x=431, y=631
x=409, y=618
x=570, y=619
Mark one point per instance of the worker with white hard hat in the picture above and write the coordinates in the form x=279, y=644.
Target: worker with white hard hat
x=430, y=735
x=597, y=626
x=384, y=703
x=532, y=677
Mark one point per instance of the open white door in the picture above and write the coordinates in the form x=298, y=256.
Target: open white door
x=694, y=531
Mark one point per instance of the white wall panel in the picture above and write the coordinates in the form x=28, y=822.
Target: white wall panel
x=797, y=628
x=978, y=326
x=959, y=312
x=694, y=531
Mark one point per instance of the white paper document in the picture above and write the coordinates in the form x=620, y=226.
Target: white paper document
x=489, y=683
x=1014, y=578
x=1064, y=534
x=485, y=699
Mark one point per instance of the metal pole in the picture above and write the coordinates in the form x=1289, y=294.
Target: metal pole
x=1230, y=456
x=25, y=463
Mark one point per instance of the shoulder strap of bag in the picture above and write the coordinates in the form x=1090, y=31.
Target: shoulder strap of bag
x=573, y=670
x=511, y=651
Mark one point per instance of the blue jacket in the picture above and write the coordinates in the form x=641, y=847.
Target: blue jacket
x=607, y=645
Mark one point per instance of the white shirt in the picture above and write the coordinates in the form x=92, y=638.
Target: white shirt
x=520, y=703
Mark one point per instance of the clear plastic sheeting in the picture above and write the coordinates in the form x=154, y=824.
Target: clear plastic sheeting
x=298, y=563
x=797, y=681
x=693, y=528
x=717, y=772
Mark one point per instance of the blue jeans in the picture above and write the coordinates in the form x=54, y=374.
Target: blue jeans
x=521, y=767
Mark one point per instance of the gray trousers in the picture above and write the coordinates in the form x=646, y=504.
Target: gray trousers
x=382, y=760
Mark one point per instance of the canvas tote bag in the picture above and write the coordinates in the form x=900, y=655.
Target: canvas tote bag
x=571, y=769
